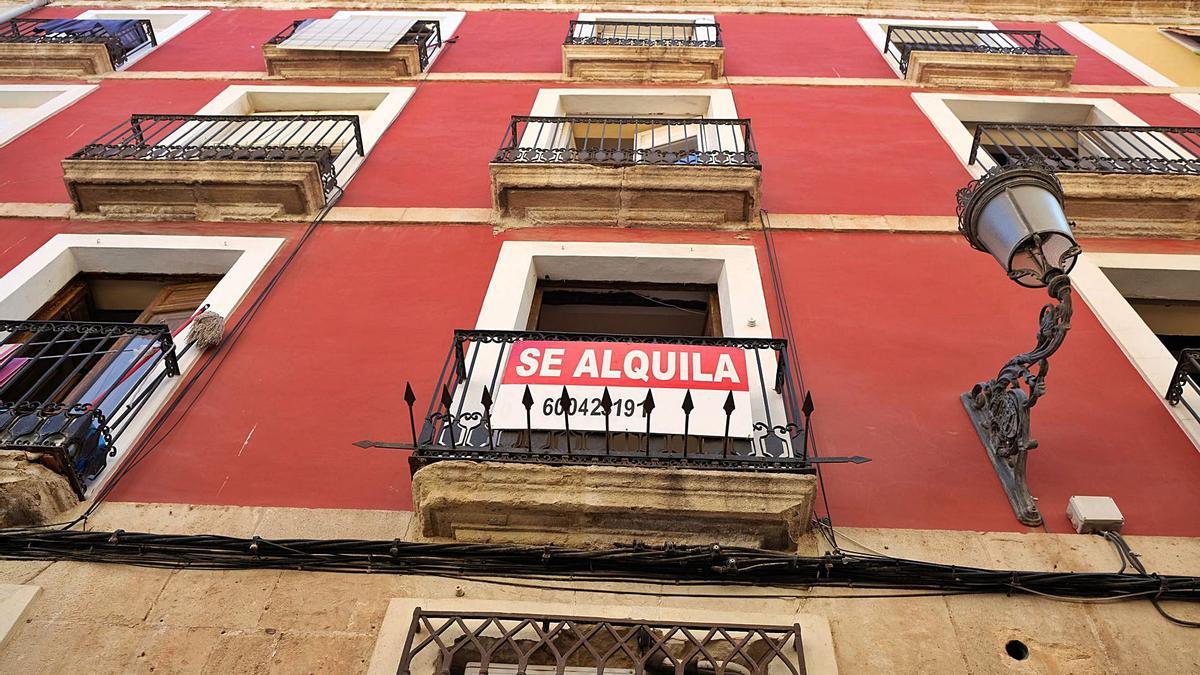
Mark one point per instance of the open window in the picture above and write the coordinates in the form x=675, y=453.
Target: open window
x=164, y=25
x=620, y=308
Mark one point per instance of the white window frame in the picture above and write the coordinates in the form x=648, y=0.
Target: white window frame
x=876, y=30
x=1112, y=52
x=733, y=270
x=550, y=103
x=816, y=643
x=1128, y=330
x=234, y=100
x=448, y=23
x=33, y=282
x=13, y=124
x=188, y=18
x=956, y=135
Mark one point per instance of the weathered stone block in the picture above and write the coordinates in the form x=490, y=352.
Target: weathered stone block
x=200, y=190
x=628, y=196
x=30, y=493
x=53, y=60
x=312, y=64
x=599, y=505
x=651, y=63
x=959, y=70
x=1133, y=205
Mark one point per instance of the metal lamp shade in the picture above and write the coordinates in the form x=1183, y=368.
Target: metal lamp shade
x=1017, y=216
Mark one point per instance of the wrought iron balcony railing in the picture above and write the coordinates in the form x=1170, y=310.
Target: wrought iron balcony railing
x=902, y=41
x=426, y=35
x=332, y=142
x=644, y=34
x=68, y=389
x=621, y=141
x=121, y=38
x=1091, y=148
x=1185, y=378
x=572, y=398
x=448, y=643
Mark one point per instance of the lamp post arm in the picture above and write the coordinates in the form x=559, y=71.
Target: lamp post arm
x=999, y=407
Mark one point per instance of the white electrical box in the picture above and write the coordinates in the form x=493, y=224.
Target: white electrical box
x=1094, y=514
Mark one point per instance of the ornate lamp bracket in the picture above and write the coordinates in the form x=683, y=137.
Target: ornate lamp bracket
x=1000, y=407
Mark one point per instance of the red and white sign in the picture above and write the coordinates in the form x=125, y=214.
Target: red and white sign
x=628, y=370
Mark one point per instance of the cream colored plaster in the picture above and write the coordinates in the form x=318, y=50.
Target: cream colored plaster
x=14, y=604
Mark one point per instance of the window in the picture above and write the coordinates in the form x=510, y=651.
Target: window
x=877, y=33
x=624, y=28
x=24, y=106
x=127, y=279
x=957, y=118
x=1150, y=304
x=615, y=639
x=1187, y=37
x=626, y=309
x=447, y=24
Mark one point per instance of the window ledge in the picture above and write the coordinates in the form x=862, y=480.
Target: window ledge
x=651, y=63
x=403, y=61
x=597, y=505
x=990, y=71
x=1133, y=205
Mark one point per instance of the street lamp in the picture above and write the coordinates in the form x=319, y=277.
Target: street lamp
x=1015, y=213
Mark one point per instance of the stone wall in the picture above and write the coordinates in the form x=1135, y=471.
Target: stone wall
x=122, y=619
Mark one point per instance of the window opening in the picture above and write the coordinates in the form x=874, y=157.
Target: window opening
x=622, y=308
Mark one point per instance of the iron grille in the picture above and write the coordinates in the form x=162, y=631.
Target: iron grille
x=902, y=41
x=426, y=35
x=1073, y=148
x=644, y=34
x=330, y=141
x=460, y=418
x=121, y=38
x=473, y=643
x=619, y=141
x=68, y=389
x=1186, y=376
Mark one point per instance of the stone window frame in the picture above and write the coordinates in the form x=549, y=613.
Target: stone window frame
x=187, y=19
x=956, y=135
x=876, y=31
x=448, y=23
x=816, y=636
x=1112, y=52
x=36, y=279
x=1138, y=342
x=68, y=95
x=734, y=269
x=233, y=101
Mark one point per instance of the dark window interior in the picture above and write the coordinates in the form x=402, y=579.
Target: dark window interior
x=1175, y=322
x=626, y=308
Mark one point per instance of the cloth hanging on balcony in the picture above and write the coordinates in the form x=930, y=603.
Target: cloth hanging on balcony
x=10, y=366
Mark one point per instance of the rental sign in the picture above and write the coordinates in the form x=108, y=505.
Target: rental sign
x=628, y=370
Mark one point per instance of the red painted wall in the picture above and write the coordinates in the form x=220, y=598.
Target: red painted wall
x=799, y=46
x=915, y=320
x=225, y=40
x=1090, y=67
x=507, y=42
x=30, y=165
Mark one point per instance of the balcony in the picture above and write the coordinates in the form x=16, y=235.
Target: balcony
x=627, y=171
x=577, y=439
x=1118, y=180
x=981, y=58
x=629, y=51
x=1185, y=383
x=215, y=167
x=69, y=389
x=326, y=49
x=463, y=641
x=70, y=48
